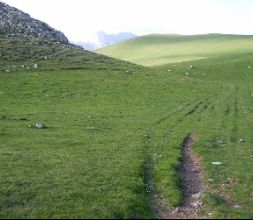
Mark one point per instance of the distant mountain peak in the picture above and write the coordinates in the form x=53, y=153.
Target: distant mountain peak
x=17, y=23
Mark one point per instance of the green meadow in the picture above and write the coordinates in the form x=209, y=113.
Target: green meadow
x=156, y=50
x=112, y=126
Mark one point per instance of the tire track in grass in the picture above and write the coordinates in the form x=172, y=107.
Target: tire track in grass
x=191, y=203
x=149, y=161
x=234, y=133
x=192, y=186
x=228, y=108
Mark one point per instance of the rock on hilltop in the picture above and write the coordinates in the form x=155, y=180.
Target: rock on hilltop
x=15, y=22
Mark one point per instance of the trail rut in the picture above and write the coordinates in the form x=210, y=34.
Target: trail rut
x=192, y=187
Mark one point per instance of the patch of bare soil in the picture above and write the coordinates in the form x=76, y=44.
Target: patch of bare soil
x=192, y=187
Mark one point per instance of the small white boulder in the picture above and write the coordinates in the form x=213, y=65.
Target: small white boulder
x=217, y=163
x=39, y=125
x=241, y=140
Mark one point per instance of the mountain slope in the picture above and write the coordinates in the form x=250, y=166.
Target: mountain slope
x=153, y=50
x=28, y=44
x=104, y=39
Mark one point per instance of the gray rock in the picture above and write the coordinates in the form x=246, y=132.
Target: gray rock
x=17, y=23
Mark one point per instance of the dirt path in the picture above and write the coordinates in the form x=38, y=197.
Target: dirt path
x=191, y=174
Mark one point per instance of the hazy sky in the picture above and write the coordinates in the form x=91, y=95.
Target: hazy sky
x=80, y=19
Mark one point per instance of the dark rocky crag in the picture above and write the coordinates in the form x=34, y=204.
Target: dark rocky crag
x=17, y=23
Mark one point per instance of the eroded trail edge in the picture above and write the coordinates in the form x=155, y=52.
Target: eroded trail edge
x=192, y=187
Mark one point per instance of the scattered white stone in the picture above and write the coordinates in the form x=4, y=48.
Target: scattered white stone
x=211, y=180
x=210, y=214
x=217, y=163
x=194, y=170
x=197, y=205
x=237, y=207
x=196, y=196
x=191, y=67
x=7, y=71
x=45, y=58
x=169, y=70
x=39, y=126
x=241, y=140
x=229, y=180
x=187, y=74
x=35, y=66
x=175, y=211
x=23, y=66
x=219, y=142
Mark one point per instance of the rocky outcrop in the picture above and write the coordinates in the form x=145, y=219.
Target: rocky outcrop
x=17, y=23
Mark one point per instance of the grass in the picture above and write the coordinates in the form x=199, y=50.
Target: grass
x=89, y=162
x=224, y=128
x=156, y=50
x=111, y=126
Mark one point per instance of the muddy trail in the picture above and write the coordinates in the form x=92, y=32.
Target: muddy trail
x=192, y=187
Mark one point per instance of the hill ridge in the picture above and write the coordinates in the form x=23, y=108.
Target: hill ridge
x=161, y=49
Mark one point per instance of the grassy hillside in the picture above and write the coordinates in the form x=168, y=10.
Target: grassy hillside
x=20, y=54
x=112, y=127
x=154, y=50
